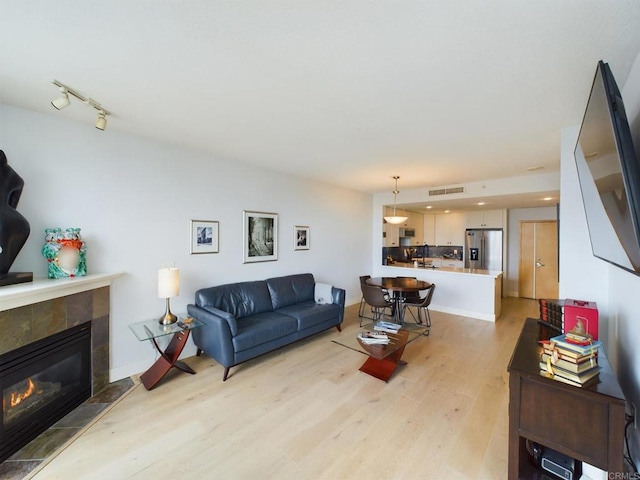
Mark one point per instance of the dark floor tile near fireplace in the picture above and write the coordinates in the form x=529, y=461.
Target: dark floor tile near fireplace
x=23, y=462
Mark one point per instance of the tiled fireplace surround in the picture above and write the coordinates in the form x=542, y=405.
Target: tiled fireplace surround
x=23, y=325
x=32, y=311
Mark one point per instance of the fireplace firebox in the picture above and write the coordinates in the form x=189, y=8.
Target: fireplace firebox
x=40, y=383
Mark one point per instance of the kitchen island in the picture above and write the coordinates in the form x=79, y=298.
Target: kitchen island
x=459, y=291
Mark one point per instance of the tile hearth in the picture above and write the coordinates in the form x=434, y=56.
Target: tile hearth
x=31, y=456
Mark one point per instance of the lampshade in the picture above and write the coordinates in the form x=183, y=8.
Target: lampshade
x=168, y=282
x=395, y=219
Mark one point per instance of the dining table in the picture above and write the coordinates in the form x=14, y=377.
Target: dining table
x=399, y=287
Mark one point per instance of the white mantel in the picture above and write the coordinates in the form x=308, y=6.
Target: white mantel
x=42, y=289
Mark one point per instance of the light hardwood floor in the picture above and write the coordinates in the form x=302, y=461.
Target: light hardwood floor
x=306, y=412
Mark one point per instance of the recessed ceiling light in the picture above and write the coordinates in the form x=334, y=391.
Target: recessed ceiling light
x=546, y=199
x=447, y=211
x=533, y=169
x=428, y=206
x=480, y=203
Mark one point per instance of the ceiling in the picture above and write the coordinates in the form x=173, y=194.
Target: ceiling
x=344, y=92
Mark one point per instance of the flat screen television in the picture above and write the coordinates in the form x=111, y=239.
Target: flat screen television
x=609, y=175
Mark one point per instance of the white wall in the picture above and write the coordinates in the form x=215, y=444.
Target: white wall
x=586, y=277
x=134, y=199
x=515, y=216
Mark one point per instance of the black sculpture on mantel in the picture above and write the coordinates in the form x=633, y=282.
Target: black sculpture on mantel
x=14, y=228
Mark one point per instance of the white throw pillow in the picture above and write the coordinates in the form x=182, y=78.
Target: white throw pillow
x=322, y=293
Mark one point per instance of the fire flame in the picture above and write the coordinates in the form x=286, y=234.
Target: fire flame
x=16, y=398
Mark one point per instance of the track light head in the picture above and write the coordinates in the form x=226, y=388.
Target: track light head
x=63, y=101
x=101, y=122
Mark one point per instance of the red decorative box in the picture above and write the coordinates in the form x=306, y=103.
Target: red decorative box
x=581, y=312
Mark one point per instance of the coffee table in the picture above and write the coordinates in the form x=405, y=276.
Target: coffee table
x=383, y=358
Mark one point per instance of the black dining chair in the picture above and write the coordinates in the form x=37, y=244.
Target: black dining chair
x=379, y=302
x=422, y=306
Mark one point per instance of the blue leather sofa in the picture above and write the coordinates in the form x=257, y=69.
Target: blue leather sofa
x=247, y=319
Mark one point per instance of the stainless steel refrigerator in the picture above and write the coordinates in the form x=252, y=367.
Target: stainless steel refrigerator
x=484, y=249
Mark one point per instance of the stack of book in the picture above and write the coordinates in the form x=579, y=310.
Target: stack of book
x=388, y=327
x=571, y=359
x=373, y=338
x=552, y=313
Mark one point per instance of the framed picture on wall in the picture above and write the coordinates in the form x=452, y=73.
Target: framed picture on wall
x=260, y=237
x=301, y=237
x=204, y=236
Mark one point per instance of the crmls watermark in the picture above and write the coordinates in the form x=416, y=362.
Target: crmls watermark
x=623, y=476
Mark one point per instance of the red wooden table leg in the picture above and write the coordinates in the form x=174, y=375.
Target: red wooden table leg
x=168, y=359
x=384, y=368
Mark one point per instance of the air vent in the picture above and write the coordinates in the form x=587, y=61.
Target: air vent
x=446, y=191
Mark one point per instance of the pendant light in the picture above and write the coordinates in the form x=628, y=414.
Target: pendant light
x=396, y=219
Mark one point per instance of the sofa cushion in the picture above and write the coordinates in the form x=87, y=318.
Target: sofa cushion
x=310, y=313
x=239, y=299
x=291, y=289
x=262, y=328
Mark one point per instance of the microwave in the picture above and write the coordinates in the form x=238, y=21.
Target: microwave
x=407, y=232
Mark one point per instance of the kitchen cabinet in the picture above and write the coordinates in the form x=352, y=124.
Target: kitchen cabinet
x=416, y=222
x=449, y=229
x=429, y=230
x=485, y=219
x=390, y=235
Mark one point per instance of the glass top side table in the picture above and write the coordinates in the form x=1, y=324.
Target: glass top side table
x=151, y=330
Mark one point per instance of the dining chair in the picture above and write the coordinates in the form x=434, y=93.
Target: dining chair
x=422, y=306
x=379, y=303
x=363, y=281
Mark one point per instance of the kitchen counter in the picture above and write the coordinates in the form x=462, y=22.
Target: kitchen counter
x=471, y=271
x=459, y=291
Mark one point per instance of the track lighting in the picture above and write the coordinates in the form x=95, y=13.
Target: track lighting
x=101, y=122
x=63, y=101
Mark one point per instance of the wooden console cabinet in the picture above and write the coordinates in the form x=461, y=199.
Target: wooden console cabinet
x=586, y=424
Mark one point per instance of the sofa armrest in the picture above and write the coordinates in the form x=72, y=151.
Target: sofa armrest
x=215, y=337
x=226, y=316
x=338, y=296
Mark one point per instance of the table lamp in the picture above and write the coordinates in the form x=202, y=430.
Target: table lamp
x=168, y=287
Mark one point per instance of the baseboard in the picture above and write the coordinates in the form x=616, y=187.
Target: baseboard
x=464, y=313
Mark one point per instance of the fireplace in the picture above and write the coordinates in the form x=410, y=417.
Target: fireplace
x=41, y=382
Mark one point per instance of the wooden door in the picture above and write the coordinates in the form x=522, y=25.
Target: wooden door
x=538, y=271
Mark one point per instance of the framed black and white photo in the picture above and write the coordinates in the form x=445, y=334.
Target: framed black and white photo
x=300, y=237
x=260, y=237
x=204, y=236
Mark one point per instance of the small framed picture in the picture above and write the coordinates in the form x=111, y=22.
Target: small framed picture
x=260, y=237
x=301, y=237
x=204, y=236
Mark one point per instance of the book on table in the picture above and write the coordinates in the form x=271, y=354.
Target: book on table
x=578, y=379
x=557, y=360
x=388, y=327
x=571, y=345
x=371, y=338
x=568, y=355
